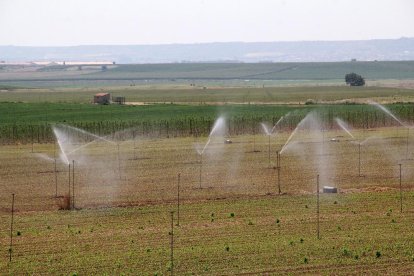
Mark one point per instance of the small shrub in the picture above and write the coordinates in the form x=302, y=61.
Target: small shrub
x=339, y=228
x=310, y=102
x=305, y=260
x=277, y=221
x=19, y=233
x=335, y=202
x=306, y=206
x=378, y=254
x=301, y=240
x=356, y=257
x=48, y=227
x=291, y=242
x=227, y=248
x=232, y=215
x=346, y=252
x=393, y=221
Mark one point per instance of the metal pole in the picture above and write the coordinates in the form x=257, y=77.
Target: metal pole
x=135, y=154
x=119, y=163
x=201, y=166
x=178, y=200
x=69, y=186
x=406, y=150
x=32, y=137
x=278, y=179
x=172, y=242
x=317, y=208
x=278, y=170
x=401, y=199
x=55, y=179
x=269, y=149
x=73, y=184
x=359, y=159
x=254, y=141
x=278, y=158
x=11, y=229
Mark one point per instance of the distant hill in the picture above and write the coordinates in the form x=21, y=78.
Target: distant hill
x=306, y=51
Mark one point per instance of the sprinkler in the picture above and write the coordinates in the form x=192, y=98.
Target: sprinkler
x=218, y=127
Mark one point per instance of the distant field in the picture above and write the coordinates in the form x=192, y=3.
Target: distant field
x=214, y=95
x=217, y=71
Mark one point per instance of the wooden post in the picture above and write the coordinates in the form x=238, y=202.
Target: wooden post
x=11, y=230
x=178, y=200
x=317, y=208
x=172, y=243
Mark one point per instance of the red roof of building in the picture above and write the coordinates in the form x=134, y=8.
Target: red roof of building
x=101, y=94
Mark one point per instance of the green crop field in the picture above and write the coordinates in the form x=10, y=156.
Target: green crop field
x=217, y=71
x=31, y=122
x=188, y=95
x=360, y=233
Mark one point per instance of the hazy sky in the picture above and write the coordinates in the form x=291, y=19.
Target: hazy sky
x=83, y=22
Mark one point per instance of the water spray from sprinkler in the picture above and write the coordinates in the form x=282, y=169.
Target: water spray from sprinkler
x=215, y=131
x=389, y=113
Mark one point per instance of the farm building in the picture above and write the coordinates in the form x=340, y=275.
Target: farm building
x=102, y=98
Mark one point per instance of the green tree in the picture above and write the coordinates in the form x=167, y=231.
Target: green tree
x=354, y=79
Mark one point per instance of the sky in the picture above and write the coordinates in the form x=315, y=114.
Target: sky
x=123, y=22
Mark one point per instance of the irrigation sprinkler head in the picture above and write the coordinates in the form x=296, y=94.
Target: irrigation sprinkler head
x=330, y=190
